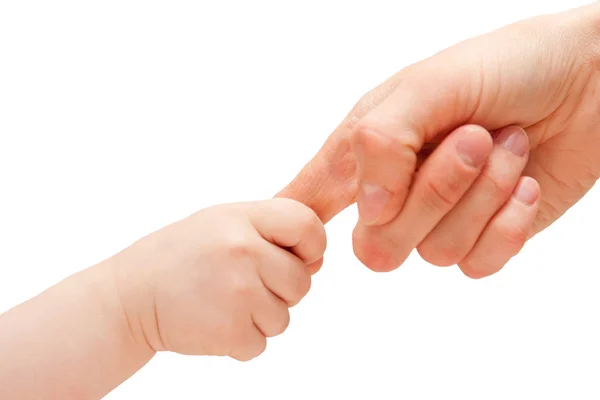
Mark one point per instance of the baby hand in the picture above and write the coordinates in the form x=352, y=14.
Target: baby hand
x=222, y=280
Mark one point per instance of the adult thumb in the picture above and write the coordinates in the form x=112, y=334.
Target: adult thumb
x=429, y=101
x=327, y=183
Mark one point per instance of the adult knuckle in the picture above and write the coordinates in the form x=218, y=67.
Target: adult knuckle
x=370, y=136
x=440, y=193
x=498, y=185
x=441, y=255
x=513, y=235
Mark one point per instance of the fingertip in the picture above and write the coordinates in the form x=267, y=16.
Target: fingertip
x=474, y=145
x=469, y=271
x=506, y=234
x=313, y=241
x=480, y=266
x=438, y=256
x=476, y=273
x=370, y=255
x=294, y=226
x=514, y=139
x=527, y=191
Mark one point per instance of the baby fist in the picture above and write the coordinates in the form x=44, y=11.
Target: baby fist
x=221, y=281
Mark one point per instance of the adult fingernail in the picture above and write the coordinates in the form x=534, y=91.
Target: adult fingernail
x=473, y=148
x=527, y=191
x=372, y=200
x=514, y=139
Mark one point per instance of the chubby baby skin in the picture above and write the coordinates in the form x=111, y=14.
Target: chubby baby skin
x=219, y=283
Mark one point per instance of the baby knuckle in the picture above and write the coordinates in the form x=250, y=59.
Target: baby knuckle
x=302, y=287
x=281, y=324
x=240, y=247
x=255, y=348
x=241, y=254
x=242, y=287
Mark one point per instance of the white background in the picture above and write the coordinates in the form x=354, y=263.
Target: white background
x=119, y=117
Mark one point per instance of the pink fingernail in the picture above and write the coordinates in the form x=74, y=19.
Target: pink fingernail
x=372, y=200
x=527, y=191
x=473, y=148
x=514, y=139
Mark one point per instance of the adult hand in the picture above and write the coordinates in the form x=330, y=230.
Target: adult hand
x=540, y=76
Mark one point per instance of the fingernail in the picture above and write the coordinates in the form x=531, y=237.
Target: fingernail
x=372, y=200
x=473, y=148
x=514, y=139
x=527, y=191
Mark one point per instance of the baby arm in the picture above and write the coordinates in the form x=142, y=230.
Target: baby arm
x=216, y=283
x=70, y=342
